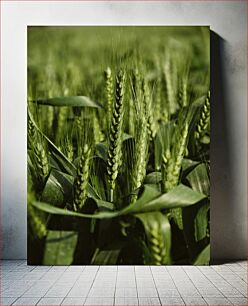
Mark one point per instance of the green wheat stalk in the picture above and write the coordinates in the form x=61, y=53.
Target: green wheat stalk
x=50, y=115
x=158, y=99
x=171, y=167
x=61, y=119
x=137, y=84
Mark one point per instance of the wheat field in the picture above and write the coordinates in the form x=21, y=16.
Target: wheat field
x=118, y=145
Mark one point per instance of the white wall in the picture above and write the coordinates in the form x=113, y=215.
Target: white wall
x=228, y=151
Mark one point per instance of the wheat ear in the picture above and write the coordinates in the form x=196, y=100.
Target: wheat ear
x=140, y=158
x=98, y=134
x=182, y=93
x=115, y=137
x=157, y=246
x=173, y=164
x=31, y=129
x=109, y=91
x=41, y=160
x=204, y=119
x=169, y=86
x=81, y=180
x=69, y=151
x=148, y=110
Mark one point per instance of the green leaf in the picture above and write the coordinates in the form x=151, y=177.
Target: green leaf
x=203, y=258
x=104, y=205
x=58, y=156
x=64, y=212
x=58, y=188
x=61, y=160
x=102, y=150
x=189, y=223
x=153, y=178
x=201, y=222
x=105, y=257
x=199, y=179
x=59, y=248
x=98, y=177
x=188, y=165
x=126, y=137
x=180, y=196
x=72, y=101
x=102, y=147
x=158, y=233
x=148, y=194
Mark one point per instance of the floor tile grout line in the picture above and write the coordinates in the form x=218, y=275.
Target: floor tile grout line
x=73, y=283
x=166, y=268
x=203, y=275
x=192, y=282
x=35, y=280
x=15, y=301
x=136, y=286
x=230, y=283
x=116, y=283
x=43, y=266
x=48, y=288
x=38, y=301
x=32, y=286
x=87, y=295
x=237, y=273
x=236, y=304
x=208, y=275
x=211, y=282
x=26, y=291
x=155, y=285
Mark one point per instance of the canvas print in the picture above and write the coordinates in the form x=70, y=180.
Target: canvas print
x=118, y=128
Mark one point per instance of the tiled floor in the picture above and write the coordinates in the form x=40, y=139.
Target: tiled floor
x=123, y=285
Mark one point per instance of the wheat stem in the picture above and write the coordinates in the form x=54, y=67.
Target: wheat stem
x=171, y=167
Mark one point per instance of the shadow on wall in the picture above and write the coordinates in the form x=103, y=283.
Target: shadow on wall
x=224, y=228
